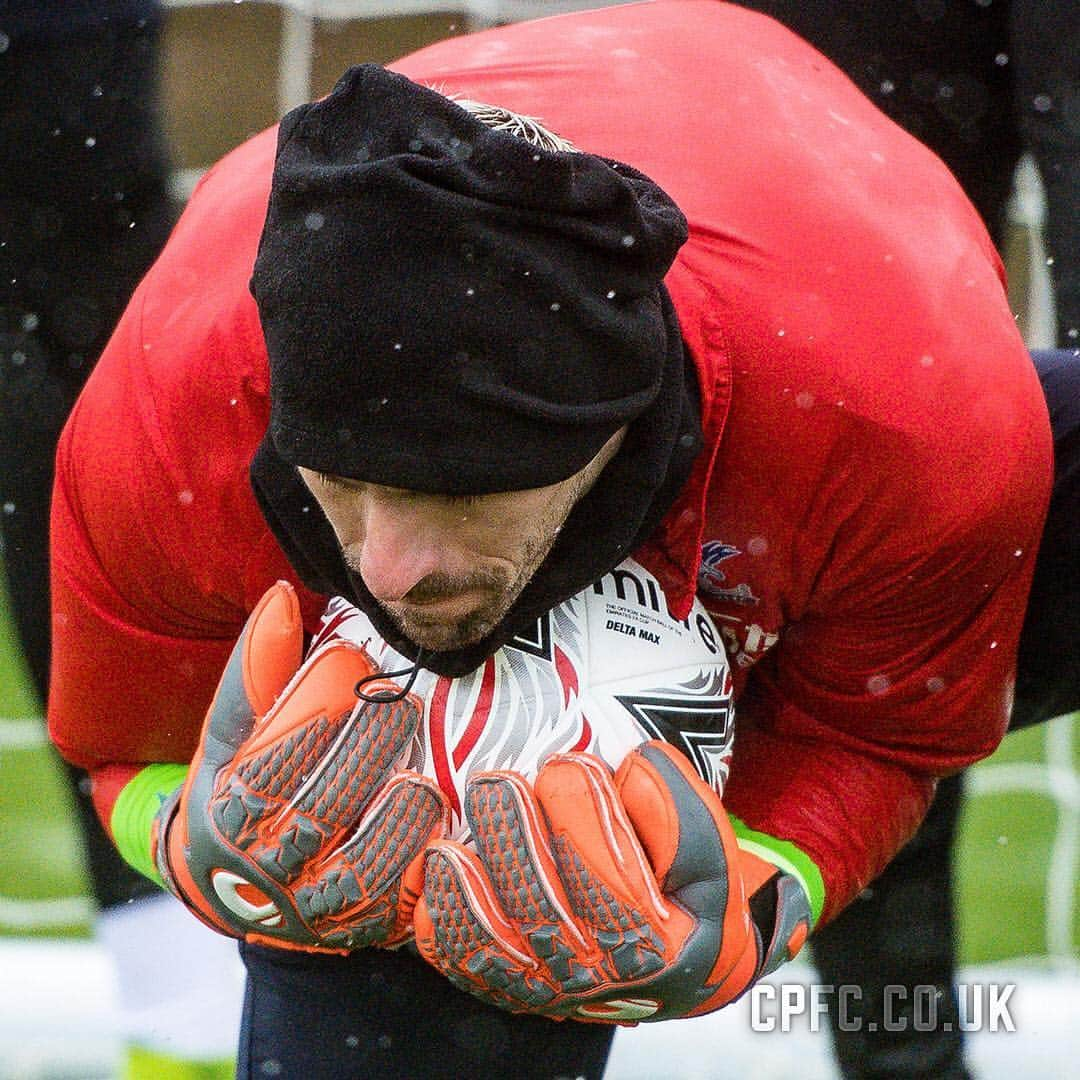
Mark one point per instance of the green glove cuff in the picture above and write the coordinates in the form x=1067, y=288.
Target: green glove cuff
x=785, y=856
x=134, y=811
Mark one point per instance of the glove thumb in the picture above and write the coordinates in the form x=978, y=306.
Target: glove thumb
x=678, y=818
x=264, y=659
x=273, y=643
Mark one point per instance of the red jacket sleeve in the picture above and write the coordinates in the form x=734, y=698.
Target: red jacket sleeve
x=159, y=550
x=138, y=641
x=883, y=657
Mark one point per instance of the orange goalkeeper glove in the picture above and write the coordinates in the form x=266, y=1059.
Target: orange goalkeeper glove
x=601, y=898
x=291, y=829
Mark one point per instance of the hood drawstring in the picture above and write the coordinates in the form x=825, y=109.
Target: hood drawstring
x=381, y=697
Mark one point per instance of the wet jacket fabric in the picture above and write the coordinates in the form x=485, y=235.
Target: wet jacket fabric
x=862, y=523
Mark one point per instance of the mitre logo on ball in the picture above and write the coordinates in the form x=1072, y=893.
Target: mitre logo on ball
x=601, y=672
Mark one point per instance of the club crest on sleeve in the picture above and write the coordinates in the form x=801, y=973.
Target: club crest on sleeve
x=711, y=577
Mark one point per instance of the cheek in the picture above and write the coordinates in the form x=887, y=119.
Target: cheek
x=346, y=521
x=535, y=538
x=505, y=538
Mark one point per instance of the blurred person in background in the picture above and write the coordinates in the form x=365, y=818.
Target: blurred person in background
x=84, y=210
x=980, y=82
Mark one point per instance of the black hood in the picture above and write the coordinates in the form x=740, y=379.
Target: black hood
x=447, y=307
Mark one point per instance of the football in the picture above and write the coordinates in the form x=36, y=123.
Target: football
x=602, y=672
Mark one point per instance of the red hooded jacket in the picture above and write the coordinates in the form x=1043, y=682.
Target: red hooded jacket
x=878, y=454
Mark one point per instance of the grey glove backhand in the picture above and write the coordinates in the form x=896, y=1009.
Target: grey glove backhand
x=293, y=828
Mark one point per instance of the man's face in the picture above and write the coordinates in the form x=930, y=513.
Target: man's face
x=446, y=569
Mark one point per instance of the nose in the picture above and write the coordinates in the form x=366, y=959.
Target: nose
x=398, y=550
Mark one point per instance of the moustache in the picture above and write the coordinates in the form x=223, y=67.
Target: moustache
x=440, y=586
x=436, y=587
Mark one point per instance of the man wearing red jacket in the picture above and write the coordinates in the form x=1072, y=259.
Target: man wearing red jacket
x=475, y=375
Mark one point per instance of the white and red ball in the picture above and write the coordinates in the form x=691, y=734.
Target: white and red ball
x=602, y=672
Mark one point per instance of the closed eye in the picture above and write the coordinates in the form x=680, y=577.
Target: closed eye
x=341, y=483
x=336, y=481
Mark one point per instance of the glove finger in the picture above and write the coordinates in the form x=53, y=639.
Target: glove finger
x=607, y=877
x=584, y=925
x=301, y=795
x=512, y=841
x=461, y=931
x=579, y=800
x=325, y=685
x=367, y=748
x=365, y=891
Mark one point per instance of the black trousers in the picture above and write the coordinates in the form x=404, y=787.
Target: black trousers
x=387, y=1015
